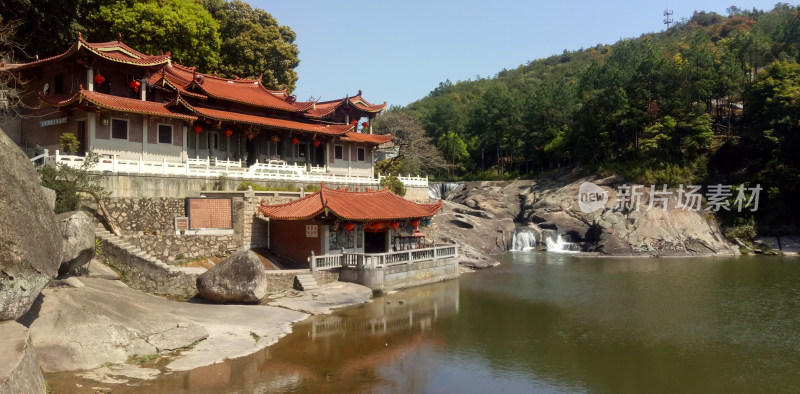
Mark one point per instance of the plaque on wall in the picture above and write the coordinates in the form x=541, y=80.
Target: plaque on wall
x=181, y=223
x=210, y=213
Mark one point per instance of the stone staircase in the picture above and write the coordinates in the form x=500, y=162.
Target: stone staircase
x=305, y=282
x=119, y=242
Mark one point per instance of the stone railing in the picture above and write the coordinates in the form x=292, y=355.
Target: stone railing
x=274, y=170
x=382, y=260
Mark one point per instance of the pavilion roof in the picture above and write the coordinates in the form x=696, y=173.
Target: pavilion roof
x=357, y=206
x=116, y=103
x=370, y=138
x=114, y=51
x=325, y=108
x=264, y=121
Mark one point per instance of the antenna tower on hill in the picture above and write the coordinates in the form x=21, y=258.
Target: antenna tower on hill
x=668, y=20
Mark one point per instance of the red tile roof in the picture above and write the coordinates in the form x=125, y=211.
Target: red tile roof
x=358, y=206
x=245, y=91
x=236, y=117
x=325, y=108
x=371, y=138
x=117, y=103
x=114, y=51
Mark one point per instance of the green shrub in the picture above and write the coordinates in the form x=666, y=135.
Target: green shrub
x=395, y=185
x=69, y=143
x=221, y=183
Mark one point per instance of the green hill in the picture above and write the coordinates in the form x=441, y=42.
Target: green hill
x=715, y=99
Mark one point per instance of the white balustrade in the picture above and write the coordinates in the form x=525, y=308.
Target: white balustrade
x=275, y=170
x=383, y=260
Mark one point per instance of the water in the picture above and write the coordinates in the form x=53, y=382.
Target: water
x=556, y=244
x=524, y=240
x=540, y=322
x=439, y=190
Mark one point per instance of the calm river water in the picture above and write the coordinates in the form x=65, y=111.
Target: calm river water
x=542, y=323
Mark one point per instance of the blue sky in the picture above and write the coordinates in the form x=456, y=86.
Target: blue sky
x=398, y=51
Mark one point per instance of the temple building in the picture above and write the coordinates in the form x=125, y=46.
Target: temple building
x=338, y=222
x=147, y=114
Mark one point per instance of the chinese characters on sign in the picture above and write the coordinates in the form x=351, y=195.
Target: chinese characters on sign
x=718, y=197
x=312, y=231
x=210, y=213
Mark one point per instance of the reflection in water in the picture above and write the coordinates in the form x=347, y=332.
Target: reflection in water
x=540, y=322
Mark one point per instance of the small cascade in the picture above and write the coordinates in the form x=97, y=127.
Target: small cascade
x=524, y=240
x=555, y=243
x=439, y=190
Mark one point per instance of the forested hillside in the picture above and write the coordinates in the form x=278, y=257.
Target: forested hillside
x=713, y=99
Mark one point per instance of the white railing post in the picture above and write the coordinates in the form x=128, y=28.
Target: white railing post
x=313, y=262
x=141, y=164
x=58, y=156
x=164, y=167
x=114, y=163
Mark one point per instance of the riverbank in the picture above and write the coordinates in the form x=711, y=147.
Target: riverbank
x=107, y=330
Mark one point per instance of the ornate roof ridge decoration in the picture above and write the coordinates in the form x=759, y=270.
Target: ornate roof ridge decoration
x=347, y=205
x=325, y=108
x=114, y=51
x=116, y=103
x=263, y=121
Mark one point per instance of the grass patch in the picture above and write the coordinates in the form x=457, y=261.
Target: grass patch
x=143, y=359
x=255, y=336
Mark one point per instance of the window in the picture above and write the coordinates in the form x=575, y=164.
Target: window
x=338, y=152
x=119, y=129
x=361, y=154
x=58, y=84
x=164, y=134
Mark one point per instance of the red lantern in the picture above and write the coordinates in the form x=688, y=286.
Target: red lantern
x=365, y=125
x=135, y=85
x=354, y=122
x=415, y=223
x=275, y=138
x=317, y=143
x=99, y=79
x=228, y=133
x=197, y=128
x=295, y=141
x=394, y=225
x=349, y=226
x=250, y=136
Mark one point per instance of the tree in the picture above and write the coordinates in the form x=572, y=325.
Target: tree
x=253, y=43
x=11, y=85
x=183, y=27
x=416, y=151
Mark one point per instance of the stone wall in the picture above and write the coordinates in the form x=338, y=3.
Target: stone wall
x=155, y=278
x=171, y=247
x=134, y=214
x=402, y=275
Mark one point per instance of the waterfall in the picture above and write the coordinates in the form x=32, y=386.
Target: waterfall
x=556, y=244
x=524, y=240
x=440, y=190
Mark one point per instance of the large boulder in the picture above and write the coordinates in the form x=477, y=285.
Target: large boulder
x=30, y=241
x=241, y=277
x=19, y=366
x=78, y=247
x=477, y=236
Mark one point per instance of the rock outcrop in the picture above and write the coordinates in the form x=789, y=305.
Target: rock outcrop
x=241, y=277
x=655, y=232
x=479, y=217
x=78, y=247
x=19, y=366
x=30, y=241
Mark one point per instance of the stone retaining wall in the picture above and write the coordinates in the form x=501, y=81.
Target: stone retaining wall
x=173, y=247
x=155, y=278
x=132, y=214
x=402, y=275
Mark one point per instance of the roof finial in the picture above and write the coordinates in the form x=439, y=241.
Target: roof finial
x=359, y=92
x=259, y=77
x=119, y=37
x=80, y=36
